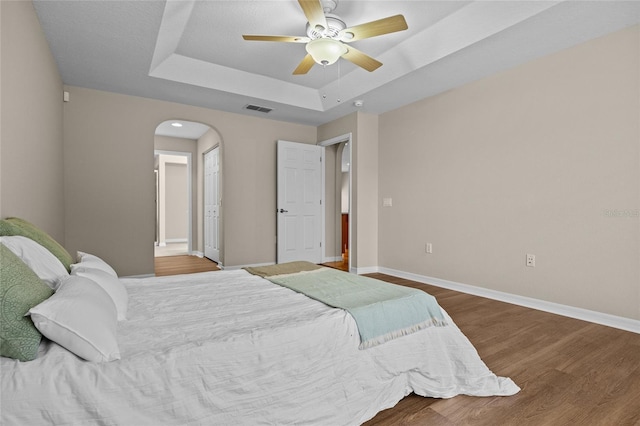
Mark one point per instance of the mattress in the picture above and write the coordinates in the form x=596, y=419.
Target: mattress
x=233, y=348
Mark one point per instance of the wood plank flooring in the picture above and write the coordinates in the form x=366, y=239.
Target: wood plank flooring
x=174, y=265
x=571, y=372
x=341, y=265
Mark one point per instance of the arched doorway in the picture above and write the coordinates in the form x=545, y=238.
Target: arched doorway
x=190, y=140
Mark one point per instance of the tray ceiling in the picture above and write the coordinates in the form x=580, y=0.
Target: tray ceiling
x=192, y=52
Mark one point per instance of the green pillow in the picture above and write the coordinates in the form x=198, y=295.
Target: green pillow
x=17, y=226
x=20, y=290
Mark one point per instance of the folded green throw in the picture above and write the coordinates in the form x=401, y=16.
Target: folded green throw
x=282, y=268
x=382, y=311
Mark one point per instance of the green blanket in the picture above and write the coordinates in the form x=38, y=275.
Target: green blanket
x=282, y=268
x=382, y=311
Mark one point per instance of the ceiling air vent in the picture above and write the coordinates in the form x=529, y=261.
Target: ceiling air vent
x=258, y=108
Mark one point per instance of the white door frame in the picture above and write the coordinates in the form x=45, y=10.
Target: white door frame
x=333, y=141
x=189, y=186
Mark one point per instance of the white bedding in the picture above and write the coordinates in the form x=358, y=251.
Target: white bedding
x=223, y=348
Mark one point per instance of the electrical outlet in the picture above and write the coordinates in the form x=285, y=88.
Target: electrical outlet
x=428, y=248
x=531, y=260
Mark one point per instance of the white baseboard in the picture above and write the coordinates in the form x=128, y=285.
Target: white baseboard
x=175, y=240
x=197, y=253
x=609, y=320
x=367, y=270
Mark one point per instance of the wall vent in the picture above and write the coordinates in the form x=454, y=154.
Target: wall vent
x=258, y=108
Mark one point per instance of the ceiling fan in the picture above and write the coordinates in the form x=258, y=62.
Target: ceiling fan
x=328, y=35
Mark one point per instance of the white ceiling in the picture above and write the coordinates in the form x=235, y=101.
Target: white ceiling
x=186, y=130
x=192, y=52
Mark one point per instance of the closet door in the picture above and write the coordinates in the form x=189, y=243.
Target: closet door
x=212, y=204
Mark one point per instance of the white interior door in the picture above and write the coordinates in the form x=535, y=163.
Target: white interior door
x=212, y=204
x=299, y=203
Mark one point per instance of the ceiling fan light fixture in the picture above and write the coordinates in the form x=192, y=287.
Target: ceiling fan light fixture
x=326, y=51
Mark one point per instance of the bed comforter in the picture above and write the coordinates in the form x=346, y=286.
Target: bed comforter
x=233, y=348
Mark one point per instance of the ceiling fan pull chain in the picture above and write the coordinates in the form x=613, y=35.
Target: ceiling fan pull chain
x=324, y=77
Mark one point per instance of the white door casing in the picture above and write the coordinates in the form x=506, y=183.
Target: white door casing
x=299, y=202
x=212, y=204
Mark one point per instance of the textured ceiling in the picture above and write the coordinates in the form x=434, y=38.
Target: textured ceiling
x=192, y=52
x=187, y=130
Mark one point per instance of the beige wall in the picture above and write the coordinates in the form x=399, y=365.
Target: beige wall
x=344, y=193
x=107, y=213
x=172, y=199
x=32, y=163
x=177, y=202
x=365, y=201
x=533, y=160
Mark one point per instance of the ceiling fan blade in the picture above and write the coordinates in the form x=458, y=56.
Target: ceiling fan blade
x=305, y=65
x=286, y=39
x=314, y=12
x=362, y=59
x=374, y=28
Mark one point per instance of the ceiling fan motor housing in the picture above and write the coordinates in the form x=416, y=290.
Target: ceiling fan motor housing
x=335, y=24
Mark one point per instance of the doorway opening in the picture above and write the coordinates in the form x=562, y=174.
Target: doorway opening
x=173, y=203
x=178, y=149
x=337, y=216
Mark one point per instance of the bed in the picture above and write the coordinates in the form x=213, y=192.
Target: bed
x=233, y=347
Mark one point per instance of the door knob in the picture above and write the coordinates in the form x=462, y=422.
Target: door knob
x=283, y=211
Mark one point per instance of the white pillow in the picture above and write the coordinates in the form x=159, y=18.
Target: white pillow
x=112, y=285
x=86, y=260
x=80, y=317
x=40, y=260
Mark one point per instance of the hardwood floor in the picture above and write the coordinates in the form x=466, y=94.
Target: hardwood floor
x=571, y=372
x=173, y=265
x=342, y=265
